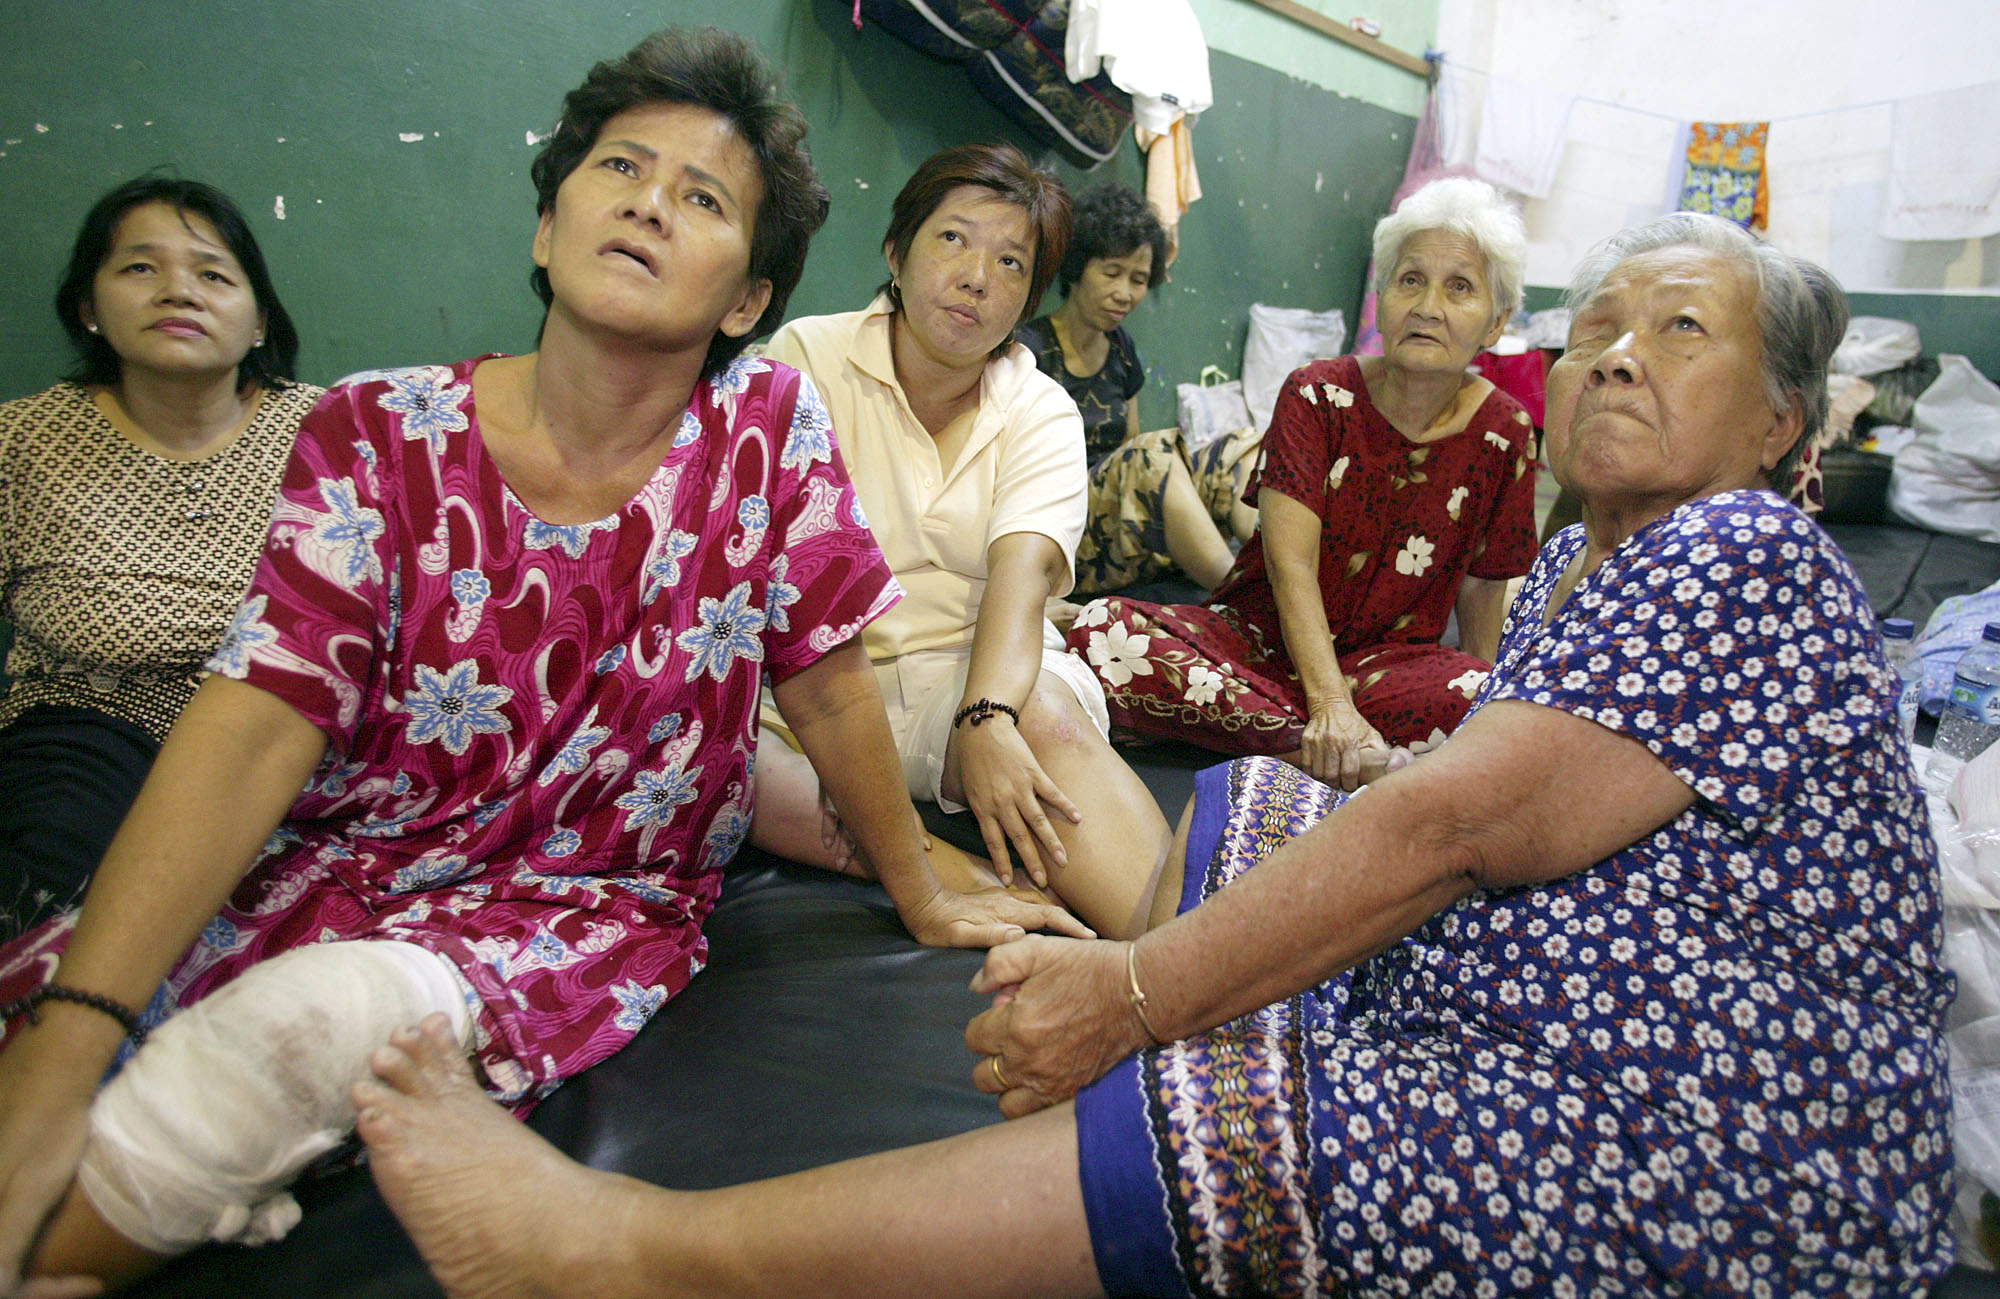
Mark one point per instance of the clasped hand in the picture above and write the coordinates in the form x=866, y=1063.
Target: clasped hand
x=1339, y=747
x=1060, y=1019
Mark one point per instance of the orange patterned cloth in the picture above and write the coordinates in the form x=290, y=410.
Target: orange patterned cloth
x=1725, y=172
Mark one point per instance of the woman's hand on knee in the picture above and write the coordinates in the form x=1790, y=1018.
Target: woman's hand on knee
x=1060, y=1018
x=1011, y=797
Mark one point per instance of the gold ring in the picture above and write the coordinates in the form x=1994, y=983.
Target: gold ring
x=999, y=1077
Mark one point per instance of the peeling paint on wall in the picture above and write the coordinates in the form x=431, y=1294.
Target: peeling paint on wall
x=278, y=208
x=409, y=137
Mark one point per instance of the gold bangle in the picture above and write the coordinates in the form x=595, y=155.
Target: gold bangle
x=1137, y=995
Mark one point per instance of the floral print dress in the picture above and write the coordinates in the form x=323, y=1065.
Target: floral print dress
x=1713, y=1063
x=540, y=735
x=1401, y=525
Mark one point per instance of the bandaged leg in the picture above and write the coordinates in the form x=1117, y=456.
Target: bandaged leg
x=199, y=1136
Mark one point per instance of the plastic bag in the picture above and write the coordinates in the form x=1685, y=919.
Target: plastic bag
x=1953, y=628
x=1210, y=408
x=1874, y=344
x=1960, y=412
x=1281, y=340
x=1948, y=478
x=1968, y=835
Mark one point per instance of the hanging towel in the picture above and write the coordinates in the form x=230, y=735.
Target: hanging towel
x=1172, y=185
x=1725, y=172
x=1152, y=49
x=1944, y=167
x=1455, y=99
x=1521, y=133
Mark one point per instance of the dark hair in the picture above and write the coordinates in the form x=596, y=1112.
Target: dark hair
x=722, y=72
x=1007, y=172
x=1112, y=220
x=270, y=364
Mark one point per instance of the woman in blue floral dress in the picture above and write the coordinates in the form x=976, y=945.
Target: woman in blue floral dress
x=1632, y=987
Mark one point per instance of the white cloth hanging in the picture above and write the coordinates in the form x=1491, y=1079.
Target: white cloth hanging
x=1521, y=134
x=1152, y=49
x=1944, y=167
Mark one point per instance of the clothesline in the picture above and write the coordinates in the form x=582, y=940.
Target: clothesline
x=1442, y=60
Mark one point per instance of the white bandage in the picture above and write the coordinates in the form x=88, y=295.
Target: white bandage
x=201, y=1133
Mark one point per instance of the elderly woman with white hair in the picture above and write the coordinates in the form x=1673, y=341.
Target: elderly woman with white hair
x=1392, y=488
x=1633, y=986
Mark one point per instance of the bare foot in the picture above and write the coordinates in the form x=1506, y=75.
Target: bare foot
x=488, y=1203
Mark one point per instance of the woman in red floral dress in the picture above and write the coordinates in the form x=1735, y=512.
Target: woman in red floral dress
x=1393, y=489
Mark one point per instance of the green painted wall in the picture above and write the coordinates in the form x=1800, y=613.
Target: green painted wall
x=1251, y=32
x=1965, y=323
x=395, y=251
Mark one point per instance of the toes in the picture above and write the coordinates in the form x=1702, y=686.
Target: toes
x=375, y=1116
x=423, y=1060
x=395, y=1064
x=439, y=1056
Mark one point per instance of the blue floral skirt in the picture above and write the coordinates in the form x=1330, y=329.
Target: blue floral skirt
x=1366, y=1138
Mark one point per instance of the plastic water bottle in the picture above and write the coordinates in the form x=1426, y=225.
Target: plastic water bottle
x=1971, y=713
x=1899, y=644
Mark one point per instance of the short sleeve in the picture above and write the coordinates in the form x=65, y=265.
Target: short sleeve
x=828, y=579
x=1132, y=373
x=1043, y=481
x=1298, y=445
x=1508, y=544
x=321, y=606
x=1730, y=638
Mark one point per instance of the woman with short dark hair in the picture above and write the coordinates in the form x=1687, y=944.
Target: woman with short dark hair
x=969, y=463
x=479, y=739
x=133, y=500
x=1151, y=510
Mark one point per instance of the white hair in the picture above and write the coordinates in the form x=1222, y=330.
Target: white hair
x=1470, y=208
x=1801, y=310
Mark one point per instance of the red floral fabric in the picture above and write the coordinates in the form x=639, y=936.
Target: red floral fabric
x=1402, y=523
x=541, y=735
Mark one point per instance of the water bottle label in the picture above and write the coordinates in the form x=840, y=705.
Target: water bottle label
x=1976, y=699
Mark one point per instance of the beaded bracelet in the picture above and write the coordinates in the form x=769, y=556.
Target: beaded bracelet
x=979, y=712
x=1138, y=996
x=127, y=1018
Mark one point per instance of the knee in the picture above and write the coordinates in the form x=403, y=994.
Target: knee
x=1052, y=722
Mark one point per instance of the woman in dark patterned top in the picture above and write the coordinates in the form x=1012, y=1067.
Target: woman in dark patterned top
x=133, y=501
x=1148, y=511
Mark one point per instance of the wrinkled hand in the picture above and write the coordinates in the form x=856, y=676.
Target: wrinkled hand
x=1060, y=1019
x=1010, y=795
x=42, y=1129
x=984, y=918
x=1339, y=743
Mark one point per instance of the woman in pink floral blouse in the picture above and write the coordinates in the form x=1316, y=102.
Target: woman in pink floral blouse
x=495, y=689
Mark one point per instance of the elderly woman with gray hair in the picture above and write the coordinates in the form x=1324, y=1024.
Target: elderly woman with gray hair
x=1392, y=489
x=1633, y=986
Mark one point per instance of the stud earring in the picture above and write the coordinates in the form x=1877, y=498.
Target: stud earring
x=91, y=328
